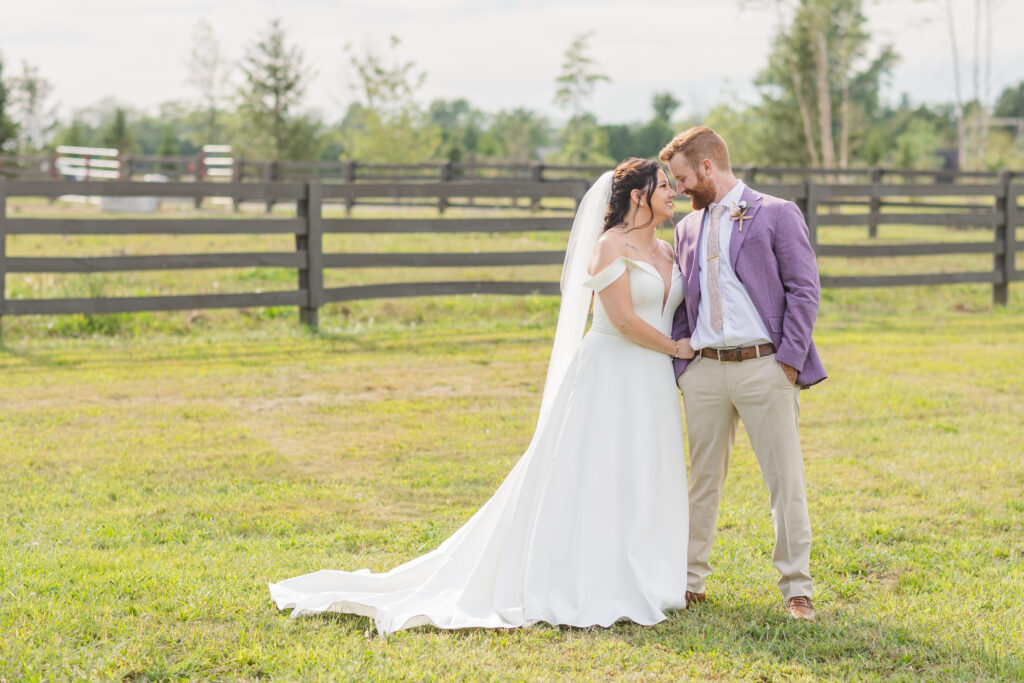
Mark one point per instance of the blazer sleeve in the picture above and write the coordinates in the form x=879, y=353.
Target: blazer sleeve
x=681, y=321
x=798, y=268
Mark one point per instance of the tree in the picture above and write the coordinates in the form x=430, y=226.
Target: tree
x=74, y=135
x=275, y=78
x=971, y=116
x=209, y=73
x=8, y=128
x=819, y=67
x=117, y=133
x=517, y=135
x=578, y=79
x=385, y=85
x=650, y=138
x=402, y=138
x=917, y=145
x=36, y=118
x=460, y=124
x=619, y=138
x=583, y=142
x=664, y=105
x=175, y=126
x=385, y=124
x=751, y=139
x=582, y=139
x=1010, y=103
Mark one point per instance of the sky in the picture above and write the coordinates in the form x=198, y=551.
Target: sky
x=497, y=55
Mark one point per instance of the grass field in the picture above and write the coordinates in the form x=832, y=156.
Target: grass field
x=158, y=470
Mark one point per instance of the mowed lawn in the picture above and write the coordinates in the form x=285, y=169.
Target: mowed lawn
x=157, y=470
x=153, y=484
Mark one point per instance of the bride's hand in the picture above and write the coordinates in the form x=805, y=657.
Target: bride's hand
x=686, y=351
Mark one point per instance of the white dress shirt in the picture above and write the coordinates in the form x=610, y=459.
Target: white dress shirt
x=741, y=325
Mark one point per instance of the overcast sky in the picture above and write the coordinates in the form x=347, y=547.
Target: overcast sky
x=497, y=54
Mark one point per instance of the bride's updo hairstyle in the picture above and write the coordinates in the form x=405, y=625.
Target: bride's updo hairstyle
x=631, y=174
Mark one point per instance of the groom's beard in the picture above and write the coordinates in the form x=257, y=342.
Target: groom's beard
x=702, y=195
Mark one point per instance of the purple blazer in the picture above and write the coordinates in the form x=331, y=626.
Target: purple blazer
x=774, y=260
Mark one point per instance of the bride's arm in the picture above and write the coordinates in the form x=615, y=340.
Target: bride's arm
x=618, y=304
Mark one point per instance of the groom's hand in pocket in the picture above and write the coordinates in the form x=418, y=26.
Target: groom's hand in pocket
x=790, y=371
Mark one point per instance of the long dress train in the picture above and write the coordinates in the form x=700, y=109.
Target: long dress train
x=589, y=527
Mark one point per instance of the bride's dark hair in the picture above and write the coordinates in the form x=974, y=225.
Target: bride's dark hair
x=631, y=174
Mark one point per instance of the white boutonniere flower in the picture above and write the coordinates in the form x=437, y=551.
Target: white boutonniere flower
x=738, y=212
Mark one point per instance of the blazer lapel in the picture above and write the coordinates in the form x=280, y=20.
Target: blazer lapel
x=693, y=274
x=754, y=199
x=693, y=271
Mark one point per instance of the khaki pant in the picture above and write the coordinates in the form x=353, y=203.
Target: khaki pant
x=758, y=392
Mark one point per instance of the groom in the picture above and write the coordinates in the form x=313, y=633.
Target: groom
x=751, y=298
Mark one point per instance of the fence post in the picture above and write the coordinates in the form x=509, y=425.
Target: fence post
x=813, y=190
x=3, y=250
x=1012, y=223
x=269, y=176
x=199, y=174
x=808, y=205
x=875, y=212
x=469, y=173
x=348, y=175
x=236, y=178
x=127, y=167
x=1003, y=263
x=445, y=176
x=311, y=273
x=537, y=176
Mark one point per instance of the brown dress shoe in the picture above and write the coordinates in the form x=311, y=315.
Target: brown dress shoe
x=693, y=598
x=799, y=607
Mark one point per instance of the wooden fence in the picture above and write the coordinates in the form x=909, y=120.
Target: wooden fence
x=240, y=169
x=993, y=206
x=249, y=170
x=190, y=167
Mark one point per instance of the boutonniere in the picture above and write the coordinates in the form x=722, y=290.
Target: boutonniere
x=738, y=212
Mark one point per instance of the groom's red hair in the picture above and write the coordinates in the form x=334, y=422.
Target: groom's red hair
x=697, y=144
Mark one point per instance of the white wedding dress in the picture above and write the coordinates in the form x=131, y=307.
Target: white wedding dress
x=590, y=526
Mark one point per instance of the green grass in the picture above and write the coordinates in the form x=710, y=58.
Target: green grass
x=153, y=484
x=157, y=470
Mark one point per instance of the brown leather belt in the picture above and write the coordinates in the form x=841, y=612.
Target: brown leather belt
x=736, y=355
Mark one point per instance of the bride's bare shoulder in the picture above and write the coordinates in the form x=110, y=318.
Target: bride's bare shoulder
x=667, y=248
x=610, y=246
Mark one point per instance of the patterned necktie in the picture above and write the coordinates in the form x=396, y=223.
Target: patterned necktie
x=714, y=287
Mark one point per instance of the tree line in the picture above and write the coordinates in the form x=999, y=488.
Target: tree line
x=815, y=102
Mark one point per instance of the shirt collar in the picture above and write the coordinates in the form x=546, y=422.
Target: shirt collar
x=733, y=196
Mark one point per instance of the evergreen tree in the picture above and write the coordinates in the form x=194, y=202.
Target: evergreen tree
x=117, y=133
x=275, y=78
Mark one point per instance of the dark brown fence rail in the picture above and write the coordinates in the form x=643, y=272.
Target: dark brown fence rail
x=190, y=168
x=994, y=206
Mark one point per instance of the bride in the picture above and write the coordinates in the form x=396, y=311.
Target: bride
x=590, y=526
